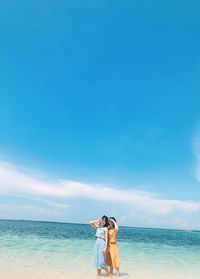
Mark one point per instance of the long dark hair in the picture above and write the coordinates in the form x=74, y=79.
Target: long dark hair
x=106, y=220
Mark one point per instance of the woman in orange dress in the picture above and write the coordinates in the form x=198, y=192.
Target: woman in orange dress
x=112, y=256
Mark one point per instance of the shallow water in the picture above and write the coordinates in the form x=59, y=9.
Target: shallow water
x=58, y=250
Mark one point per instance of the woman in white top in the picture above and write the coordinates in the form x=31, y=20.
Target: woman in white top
x=101, y=243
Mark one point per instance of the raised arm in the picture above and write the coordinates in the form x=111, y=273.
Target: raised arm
x=116, y=226
x=94, y=223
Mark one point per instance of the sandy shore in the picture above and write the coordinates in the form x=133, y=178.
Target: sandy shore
x=125, y=275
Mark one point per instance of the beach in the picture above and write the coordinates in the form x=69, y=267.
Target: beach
x=57, y=250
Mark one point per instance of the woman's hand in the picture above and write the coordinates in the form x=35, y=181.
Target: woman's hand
x=94, y=224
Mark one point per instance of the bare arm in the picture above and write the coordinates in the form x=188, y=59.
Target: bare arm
x=94, y=224
x=116, y=226
x=106, y=240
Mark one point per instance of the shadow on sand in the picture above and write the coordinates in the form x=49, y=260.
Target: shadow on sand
x=122, y=274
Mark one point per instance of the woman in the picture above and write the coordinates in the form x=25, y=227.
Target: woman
x=101, y=243
x=112, y=256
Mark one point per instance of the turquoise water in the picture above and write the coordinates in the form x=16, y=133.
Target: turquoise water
x=58, y=250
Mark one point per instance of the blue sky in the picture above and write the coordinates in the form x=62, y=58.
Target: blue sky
x=104, y=94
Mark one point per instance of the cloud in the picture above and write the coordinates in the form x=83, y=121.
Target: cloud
x=17, y=182
x=7, y=210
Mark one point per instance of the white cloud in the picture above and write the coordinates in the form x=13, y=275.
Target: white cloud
x=23, y=212
x=15, y=182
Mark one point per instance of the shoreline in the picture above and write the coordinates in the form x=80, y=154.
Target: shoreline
x=59, y=251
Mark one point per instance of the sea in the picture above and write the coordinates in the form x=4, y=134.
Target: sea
x=39, y=250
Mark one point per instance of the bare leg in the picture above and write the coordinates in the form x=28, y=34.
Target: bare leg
x=111, y=270
x=107, y=271
x=98, y=272
x=117, y=269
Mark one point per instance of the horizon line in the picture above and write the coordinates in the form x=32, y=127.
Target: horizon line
x=73, y=223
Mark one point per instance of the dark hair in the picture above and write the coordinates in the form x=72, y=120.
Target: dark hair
x=114, y=220
x=106, y=220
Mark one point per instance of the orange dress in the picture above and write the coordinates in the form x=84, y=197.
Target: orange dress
x=112, y=256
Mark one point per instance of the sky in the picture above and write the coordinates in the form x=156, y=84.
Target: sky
x=99, y=111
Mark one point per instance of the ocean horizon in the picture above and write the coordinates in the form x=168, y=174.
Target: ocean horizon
x=77, y=223
x=43, y=249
